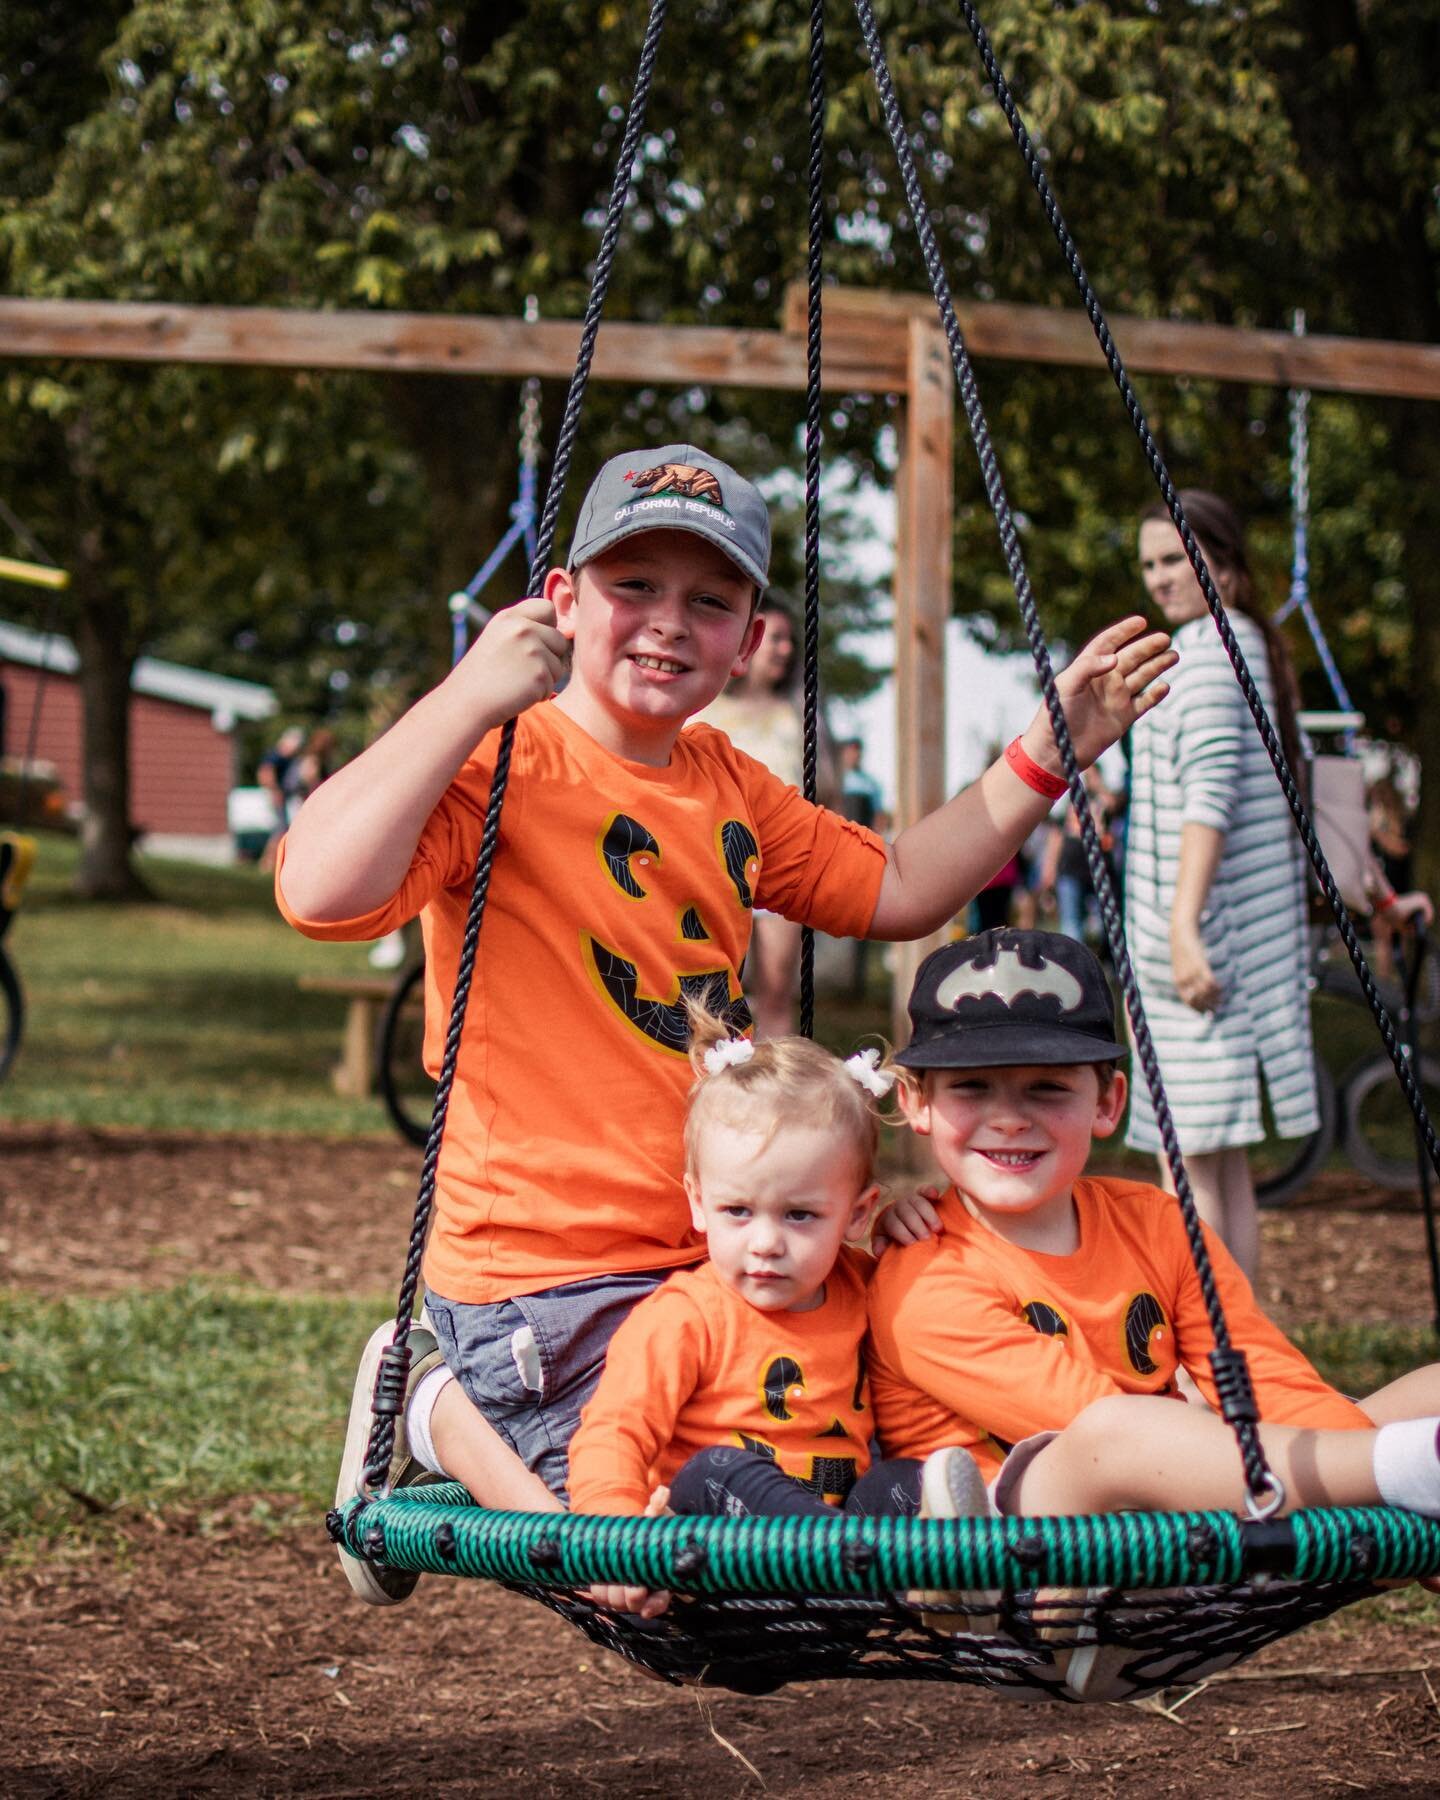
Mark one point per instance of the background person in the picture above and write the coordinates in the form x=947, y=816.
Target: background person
x=1065, y=874
x=273, y=773
x=760, y=712
x=1215, y=884
x=863, y=802
x=1396, y=902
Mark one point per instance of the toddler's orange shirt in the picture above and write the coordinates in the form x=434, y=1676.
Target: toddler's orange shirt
x=975, y=1341
x=615, y=885
x=695, y=1365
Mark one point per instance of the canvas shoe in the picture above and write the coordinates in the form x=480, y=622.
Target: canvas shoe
x=1093, y=1669
x=952, y=1487
x=376, y=1584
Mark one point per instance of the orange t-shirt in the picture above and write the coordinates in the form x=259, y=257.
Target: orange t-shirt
x=975, y=1341
x=695, y=1365
x=615, y=886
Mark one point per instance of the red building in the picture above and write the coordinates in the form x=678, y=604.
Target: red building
x=182, y=725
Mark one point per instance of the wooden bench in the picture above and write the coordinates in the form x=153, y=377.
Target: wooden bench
x=354, y=1075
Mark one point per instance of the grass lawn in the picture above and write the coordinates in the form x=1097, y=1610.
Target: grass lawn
x=180, y=1014
x=188, y=1400
x=183, y=1014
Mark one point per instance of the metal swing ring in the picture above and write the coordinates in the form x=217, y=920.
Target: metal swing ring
x=1268, y=1501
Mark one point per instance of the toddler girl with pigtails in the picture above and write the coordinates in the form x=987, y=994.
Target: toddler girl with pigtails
x=738, y=1387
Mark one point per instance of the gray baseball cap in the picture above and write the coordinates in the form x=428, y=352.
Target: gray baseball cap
x=675, y=488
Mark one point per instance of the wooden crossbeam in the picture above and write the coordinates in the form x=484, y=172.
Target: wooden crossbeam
x=434, y=343
x=1048, y=334
x=865, y=344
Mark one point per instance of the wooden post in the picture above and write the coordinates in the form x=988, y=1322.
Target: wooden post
x=925, y=491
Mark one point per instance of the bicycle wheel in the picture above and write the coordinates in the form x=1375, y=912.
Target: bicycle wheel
x=12, y=1013
x=406, y=1089
x=1378, y=1128
x=1284, y=1167
x=1336, y=975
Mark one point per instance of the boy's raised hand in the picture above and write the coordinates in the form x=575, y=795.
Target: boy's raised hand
x=517, y=659
x=1115, y=680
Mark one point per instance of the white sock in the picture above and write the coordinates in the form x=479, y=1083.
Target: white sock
x=419, y=1413
x=1407, y=1465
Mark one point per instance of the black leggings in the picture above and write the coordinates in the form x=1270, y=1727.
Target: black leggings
x=735, y=1484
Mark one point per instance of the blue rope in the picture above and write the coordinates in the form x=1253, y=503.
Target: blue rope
x=524, y=520
x=1299, y=600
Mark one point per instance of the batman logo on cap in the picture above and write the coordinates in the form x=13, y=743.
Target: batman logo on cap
x=1007, y=979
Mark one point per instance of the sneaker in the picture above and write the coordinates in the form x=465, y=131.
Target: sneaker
x=952, y=1487
x=373, y=1582
x=1096, y=1668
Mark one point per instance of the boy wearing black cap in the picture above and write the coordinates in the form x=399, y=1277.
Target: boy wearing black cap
x=633, y=852
x=1043, y=1326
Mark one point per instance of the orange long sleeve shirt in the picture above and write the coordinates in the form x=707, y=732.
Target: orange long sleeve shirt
x=695, y=1365
x=616, y=887
x=975, y=1341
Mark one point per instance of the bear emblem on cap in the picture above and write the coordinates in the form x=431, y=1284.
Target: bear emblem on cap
x=684, y=479
x=1005, y=980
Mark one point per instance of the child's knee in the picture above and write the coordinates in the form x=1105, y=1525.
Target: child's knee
x=1095, y=1430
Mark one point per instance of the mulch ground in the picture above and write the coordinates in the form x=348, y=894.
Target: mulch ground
x=225, y=1662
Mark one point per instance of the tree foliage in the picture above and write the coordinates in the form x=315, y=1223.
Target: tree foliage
x=1215, y=162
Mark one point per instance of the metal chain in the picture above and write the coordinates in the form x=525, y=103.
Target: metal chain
x=390, y=1380
x=815, y=270
x=1257, y=1473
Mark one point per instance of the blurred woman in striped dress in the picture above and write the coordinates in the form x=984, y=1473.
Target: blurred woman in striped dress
x=1215, y=884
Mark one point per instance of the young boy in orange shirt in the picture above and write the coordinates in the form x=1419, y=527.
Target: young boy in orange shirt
x=1044, y=1324
x=632, y=853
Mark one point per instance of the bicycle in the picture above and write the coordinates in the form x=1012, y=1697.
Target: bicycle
x=407, y=1091
x=17, y=855
x=1365, y=1111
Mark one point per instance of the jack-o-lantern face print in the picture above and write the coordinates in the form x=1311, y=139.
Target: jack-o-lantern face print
x=1148, y=1342
x=633, y=859
x=808, y=1439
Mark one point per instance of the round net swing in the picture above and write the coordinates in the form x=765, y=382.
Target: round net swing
x=1105, y=1607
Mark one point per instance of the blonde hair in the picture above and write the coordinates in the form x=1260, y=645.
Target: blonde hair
x=786, y=1078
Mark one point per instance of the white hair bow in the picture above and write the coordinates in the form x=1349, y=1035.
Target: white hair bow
x=727, y=1053
x=864, y=1066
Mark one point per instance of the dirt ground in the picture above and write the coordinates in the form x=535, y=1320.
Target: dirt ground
x=229, y=1663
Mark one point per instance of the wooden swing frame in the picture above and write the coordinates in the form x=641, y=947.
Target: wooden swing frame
x=876, y=342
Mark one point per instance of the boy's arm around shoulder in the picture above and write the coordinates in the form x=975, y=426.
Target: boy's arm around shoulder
x=939, y=863
x=350, y=848
x=651, y=1368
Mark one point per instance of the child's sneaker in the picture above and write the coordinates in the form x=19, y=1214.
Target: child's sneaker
x=379, y=1585
x=952, y=1487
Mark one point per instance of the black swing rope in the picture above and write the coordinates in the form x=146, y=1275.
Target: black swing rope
x=814, y=281
x=394, y=1369
x=1389, y=1035
x=746, y=1629
x=1231, y=1373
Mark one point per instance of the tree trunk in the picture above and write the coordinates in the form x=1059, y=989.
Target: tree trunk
x=464, y=435
x=106, y=663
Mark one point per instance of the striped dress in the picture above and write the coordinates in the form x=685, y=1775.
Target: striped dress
x=1199, y=758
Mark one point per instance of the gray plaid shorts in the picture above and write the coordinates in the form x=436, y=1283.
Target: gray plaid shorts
x=531, y=1363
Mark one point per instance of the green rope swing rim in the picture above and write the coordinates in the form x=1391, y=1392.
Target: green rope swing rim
x=439, y=1530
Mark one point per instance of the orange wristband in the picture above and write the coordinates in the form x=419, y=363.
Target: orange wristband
x=1030, y=772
